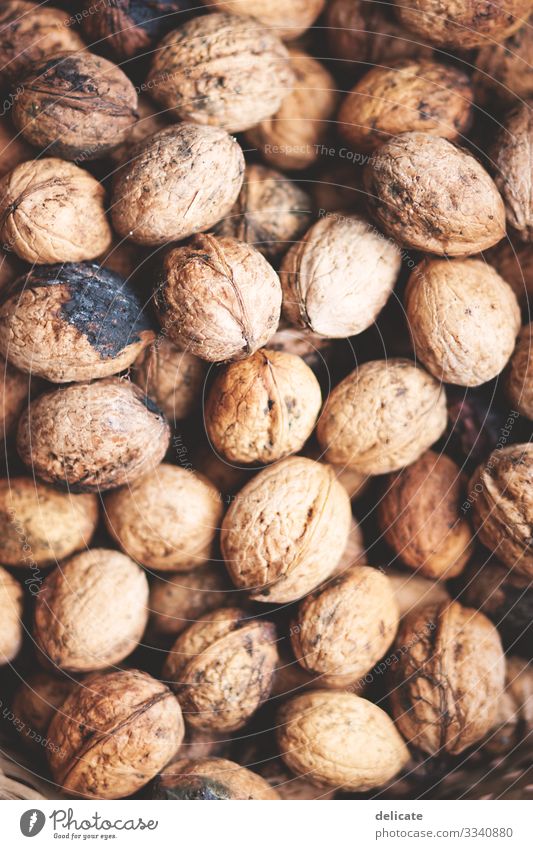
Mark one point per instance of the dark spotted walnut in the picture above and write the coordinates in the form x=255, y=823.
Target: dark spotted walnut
x=210, y=779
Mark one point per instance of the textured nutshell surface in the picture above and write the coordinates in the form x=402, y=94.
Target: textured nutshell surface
x=173, y=378
x=114, y=734
x=176, y=601
x=72, y=322
x=504, y=71
x=262, y=408
x=515, y=712
x=13, y=148
x=340, y=740
x=505, y=597
x=210, y=779
x=166, y=520
x=519, y=378
x=92, y=436
x=420, y=517
x=40, y=525
x=286, y=530
x=287, y=18
x=511, y=157
x=514, y=262
x=414, y=591
x=177, y=182
x=502, y=493
x=37, y=700
x=218, y=298
x=222, y=668
x=339, y=276
x=288, y=785
x=430, y=195
x=14, y=392
x=448, y=678
x=53, y=211
x=149, y=120
x=222, y=70
x=382, y=417
x=11, y=608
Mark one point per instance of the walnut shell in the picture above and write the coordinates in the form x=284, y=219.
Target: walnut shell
x=222, y=668
x=511, y=157
x=174, y=379
x=13, y=148
x=176, y=601
x=36, y=701
x=210, y=779
x=448, y=678
x=316, y=351
x=514, y=262
x=339, y=276
x=354, y=551
x=14, y=392
x=504, y=70
x=92, y=436
x=11, y=609
x=221, y=70
x=286, y=530
x=227, y=478
x=432, y=196
x=287, y=18
x=114, y=733
x=262, y=408
x=413, y=591
x=382, y=417
x=40, y=525
x=505, y=597
x=465, y=24
x=514, y=721
x=289, y=786
x=72, y=322
x=166, y=520
x=339, y=740
x=177, y=182
x=218, y=298
x=149, y=120
x=519, y=378
x=53, y=211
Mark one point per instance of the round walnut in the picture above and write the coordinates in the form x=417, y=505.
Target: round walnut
x=448, y=678
x=413, y=591
x=11, y=609
x=166, y=520
x=382, y=417
x=114, y=734
x=339, y=276
x=14, y=392
x=218, y=298
x=511, y=157
x=316, y=351
x=221, y=70
x=342, y=629
x=288, y=18
x=227, y=478
x=514, y=262
x=210, y=779
x=53, y=211
x=515, y=714
x=92, y=436
x=13, y=148
x=286, y=530
x=177, y=182
x=173, y=378
x=262, y=408
x=411, y=96
x=519, y=380
x=222, y=668
x=37, y=700
x=504, y=70
x=339, y=740
x=502, y=494
x=505, y=597
x=176, y=601
x=432, y=196
x=149, y=120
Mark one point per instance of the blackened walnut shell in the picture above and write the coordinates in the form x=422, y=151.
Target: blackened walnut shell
x=510, y=158
x=178, y=600
x=519, y=378
x=14, y=392
x=289, y=19
x=11, y=609
x=210, y=779
x=174, y=379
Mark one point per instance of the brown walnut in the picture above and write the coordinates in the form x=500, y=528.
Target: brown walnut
x=209, y=779
x=149, y=120
x=504, y=69
x=412, y=591
x=174, y=379
x=287, y=18
x=37, y=700
x=513, y=260
x=14, y=393
x=13, y=148
x=511, y=157
x=505, y=597
x=514, y=721
x=11, y=609
x=316, y=351
x=519, y=378
x=176, y=601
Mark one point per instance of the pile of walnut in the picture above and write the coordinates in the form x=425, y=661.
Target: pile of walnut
x=215, y=370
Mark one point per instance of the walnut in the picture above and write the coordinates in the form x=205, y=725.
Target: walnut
x=126, y=259
x=354, y=551
x=149, y=120
x=291, y=138
x=382, y=417
x=502, y=494
x=338, y=277
x=270, y=213
x=286, y=530
x=412, y=591
x=36, y=701
x=14, y=392
x=510, y=157
x=210, y=779
x=40, y=525
x=432, y=196
x=10, y=268
x=13, y=148
x=447, y=679
x=505, y=597
x=504, y=70
x=53, y=211
x=72, y=322
x=262, y=408
x=514, y=721
x=177, y=182
x=316, y=351
x=222, y=668
x=514, y=262
x=218, y=298
x=287, y=18
x=11, y=609
x=286, y=784
x=519, y=378
x=227, y=478
x=166, y=520
x=114, y=734
x=173, y=378
x=92, y=436
x=176, y=601
x=339, y=740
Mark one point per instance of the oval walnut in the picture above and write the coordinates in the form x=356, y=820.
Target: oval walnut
x=210, y=779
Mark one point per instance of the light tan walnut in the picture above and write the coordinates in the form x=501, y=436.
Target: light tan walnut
x=414, y=591
x=174, y=379
x=11, y=609
x=287, y=18
x=210, y=779
x=519, y=378
x=14, y=393
x=176, y=601
x=513, y=260
x=510, y=157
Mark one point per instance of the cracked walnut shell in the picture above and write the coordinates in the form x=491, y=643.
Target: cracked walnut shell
x=510, y=158
x=11, y=609
x=174, y=379
x=519, y=378
x=209, y=779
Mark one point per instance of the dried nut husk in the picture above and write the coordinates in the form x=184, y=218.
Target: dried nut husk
x=210, y=779
x=262, y=408
x=222, y=668
x=504, y=70
x=217, y=298
x=511, y=156
x=413, y=591
x=114, y=734
x=342, y=629
x=174, y=379
x=13, y=148
x=448, y=678
x=514, y=262
x=149, y=120
x=176, y=601
x=290, y=139
x=286, y=530
x=505, y=597
x=75, y=105
x=271, y=212
x=432, y=196
x=53, y=211
x=340, y=740
x=519, y=378
x=409, y=96
x=167, y=520
x=502, y=493
x=420, y=517
x=92, y=436
x=382, y=417
x=11, y=609
x=36, y=701
x=72, y=322
x=177, y=182
x=339, y=276
x=39, y=525
x=287, y=18
x=221, y=70
x=14, y=393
